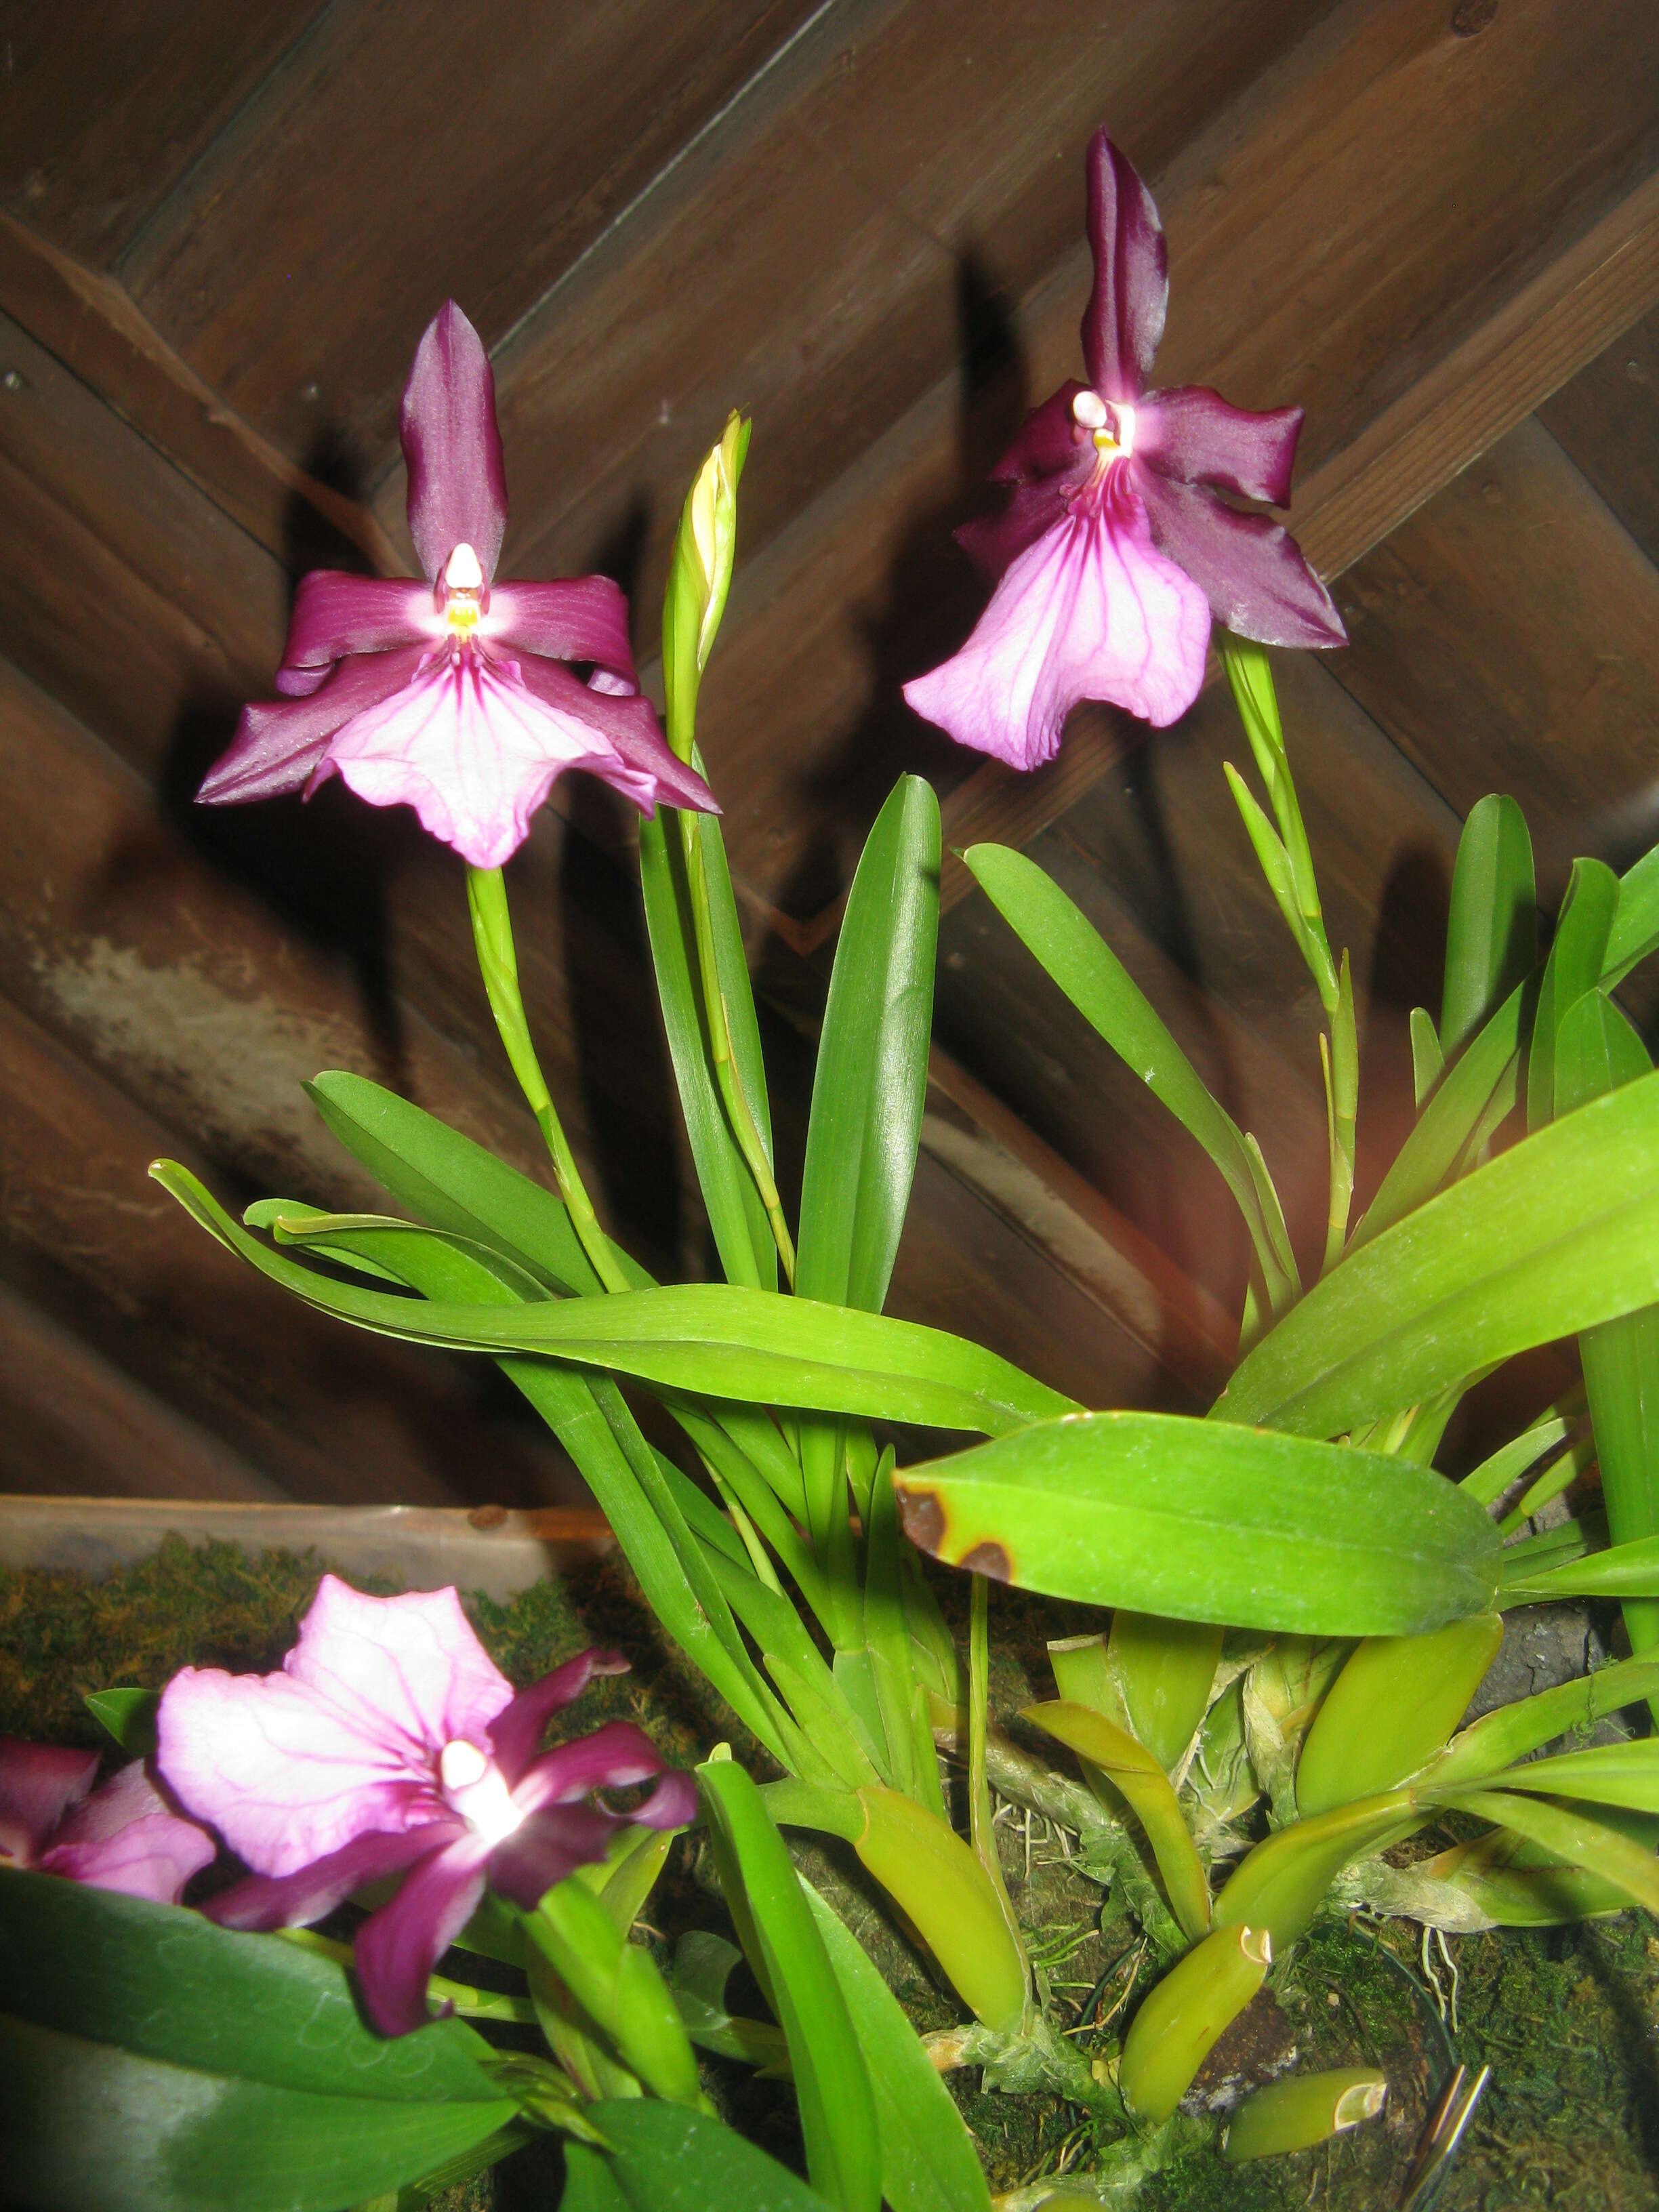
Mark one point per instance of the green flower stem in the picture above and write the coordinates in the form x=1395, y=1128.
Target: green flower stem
x=733, y=1096
x=492, y=935
x=1339, y=1060
x=470, y=2003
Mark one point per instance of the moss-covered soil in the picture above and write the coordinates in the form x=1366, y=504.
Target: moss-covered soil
x=1567, y=2019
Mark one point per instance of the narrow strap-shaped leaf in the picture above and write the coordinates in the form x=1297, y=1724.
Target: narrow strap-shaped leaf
x=1487, y=1482
x=1573, y=968
x=1491, y=929
x=663, y=2158
x=1427, y=1058
x=1554, y=1235
x=451, y=1182
x=736, y=1215
x=780, y=1939
x=1143, y=1782
x=702, y=1338
x=1072, y=952
x=1635, y=931
x=1199, y=1520
x=886, y=1632
x=1512, y=1732
x=1452, y=1115
x=928, y=2162
x=868, y=1091
x=1597, y=1051
x=1577, y=1837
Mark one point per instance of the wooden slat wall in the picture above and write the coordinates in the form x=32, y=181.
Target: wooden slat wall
x=862, y=220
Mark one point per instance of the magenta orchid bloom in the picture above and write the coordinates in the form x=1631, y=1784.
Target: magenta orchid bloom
x=1114, y=551
x=122, y=1837
x=390, y=1744
x=452, y=695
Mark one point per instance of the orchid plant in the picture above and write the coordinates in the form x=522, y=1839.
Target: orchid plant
x=1301, y=1605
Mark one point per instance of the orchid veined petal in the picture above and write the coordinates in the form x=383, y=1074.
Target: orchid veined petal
x=457, y=475
x=39, y=1783
x=614, y=1757
x=577, y=618
x=1191, y=432
x=475, y=752
x=515, y=1732
x=409, y=1669
x=124, y=1837
x=284, y=1778
x=279, y=744
x=549, y=1845
x=629, y=725
x=1048, y=440
x=992, y=541
x=397, y=1947
x=1249, y=565
x=261, y=1902
x=1123, y=321
x=335, y=613
x=1092, y=610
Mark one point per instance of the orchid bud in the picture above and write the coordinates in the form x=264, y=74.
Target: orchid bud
x=701, y=578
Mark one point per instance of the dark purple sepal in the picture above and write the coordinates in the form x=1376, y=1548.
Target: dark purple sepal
x=1124, y=319
x=1192, y=433
x=993, y=541
x=335, y=614
x=575, y=618
x=280, y=743
x=515, y=1733
x=628, y=723
x=295, y=1900
x=550, y=1845
x=39, y=1783
x=397, y=1947
x=1050, y=439
x=1248, y=566
x=613, y=1758
x=452, y=447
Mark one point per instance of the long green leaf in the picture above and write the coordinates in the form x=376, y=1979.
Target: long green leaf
x=708, y=1338
x=1511, y=1732
x=1491, y=929
x=148, y=2057
x=1598, y=1051
x=928, y=2162
x=1625, y=1570
x=868, y=1091
x=1551, y=1237
x=780, y=1939
x=1064, y=943
x=1599, y=1846
x=664, y=2159
x=1574, y=965
x=1635, y=931
x=741, y=1235
x=1200, y=1520
x=451, y=1182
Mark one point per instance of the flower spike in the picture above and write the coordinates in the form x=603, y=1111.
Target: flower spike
x=1114, y=551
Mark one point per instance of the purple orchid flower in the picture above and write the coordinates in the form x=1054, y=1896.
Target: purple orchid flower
x=122, y=1837
x=390, y=1744
x=1114, y=551
x=451, y=696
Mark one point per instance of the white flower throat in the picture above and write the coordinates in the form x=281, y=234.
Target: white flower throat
x=475, y=1787
x=464, y=591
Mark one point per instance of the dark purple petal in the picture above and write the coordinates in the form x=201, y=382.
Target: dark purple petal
x=992, y=541
x=397, y=1947
x=295, y=1900
x=515, y=1733
x=550, y=1845
x=628, y=723
x=613, y=1757
x=278, y=745
x=299, y=682
x=1050, y=439
x=578, y=618
x=1249, y=567
x=125, y=1836
x=39, y=1783
x=457, y=477
x=335, y=613
x=1124, y=319
x=671, y=1804
x=1192, y=433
